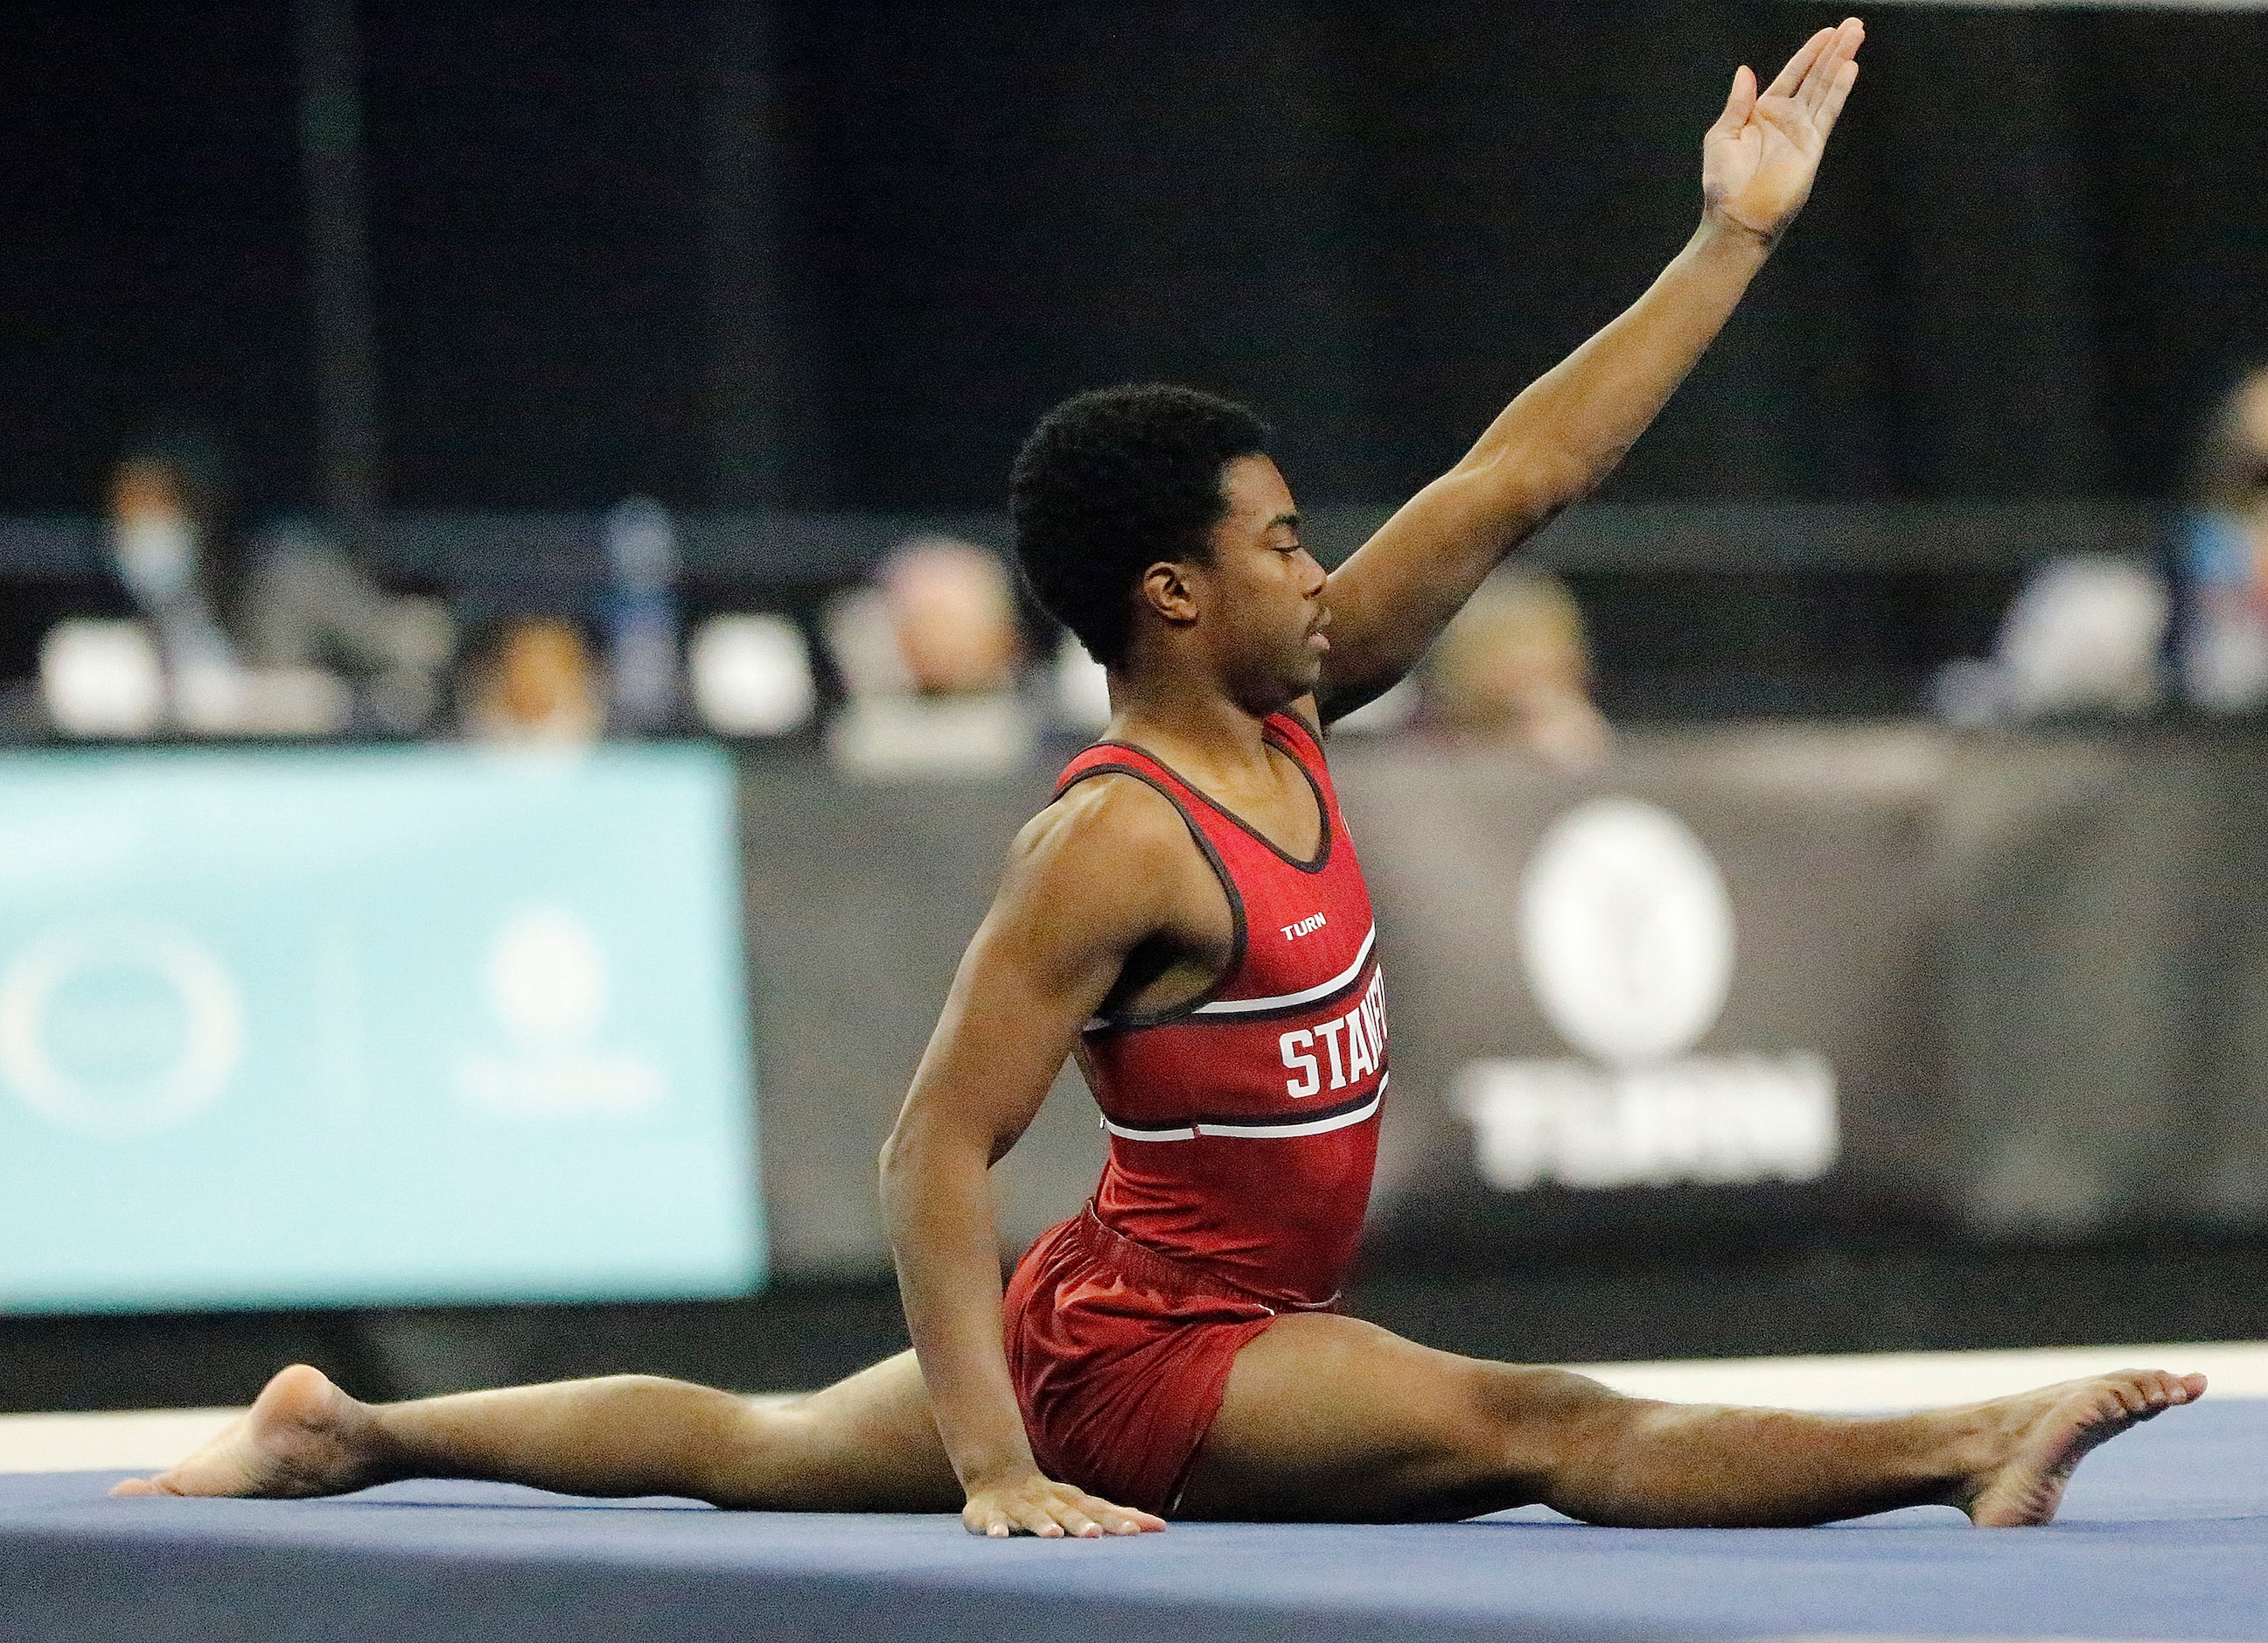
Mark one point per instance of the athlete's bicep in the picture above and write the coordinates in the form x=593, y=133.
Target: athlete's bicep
x=1017, y=1003
x=1081, y=891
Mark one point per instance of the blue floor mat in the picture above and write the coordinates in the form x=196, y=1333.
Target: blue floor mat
x=2164, y=1534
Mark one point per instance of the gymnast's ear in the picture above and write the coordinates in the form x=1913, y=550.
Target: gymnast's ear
x=1165, y=588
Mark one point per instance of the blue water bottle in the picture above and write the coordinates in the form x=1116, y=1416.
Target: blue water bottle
x=644, y=653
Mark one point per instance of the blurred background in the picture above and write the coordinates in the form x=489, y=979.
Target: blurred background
x=512, y=697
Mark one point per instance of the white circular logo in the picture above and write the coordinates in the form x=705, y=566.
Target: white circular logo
x=1626, y=929
x=118, y=1032
x=547, y=978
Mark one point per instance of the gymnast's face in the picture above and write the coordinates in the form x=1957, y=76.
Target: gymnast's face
x=1261, y=596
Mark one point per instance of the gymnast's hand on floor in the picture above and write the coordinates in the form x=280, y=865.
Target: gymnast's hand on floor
x=1758, y=161
x=1034, y=1505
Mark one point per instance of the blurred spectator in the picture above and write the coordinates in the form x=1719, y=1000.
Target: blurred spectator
x=2225, y=658
x=305, y=604
x=929, y=653
x=2083, y=636
x=169, y=542
x=954, y=611
x=253, y=634
x=536, y=681
x=1514, y=670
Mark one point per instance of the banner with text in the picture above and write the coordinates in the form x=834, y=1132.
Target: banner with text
x=371, y=1025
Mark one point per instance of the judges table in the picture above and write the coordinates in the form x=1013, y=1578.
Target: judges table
x=373, y=1024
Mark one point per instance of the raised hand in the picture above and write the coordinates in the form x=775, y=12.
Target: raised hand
x=1758, y=161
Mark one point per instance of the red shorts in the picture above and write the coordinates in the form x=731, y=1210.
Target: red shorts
x=1120, y=1359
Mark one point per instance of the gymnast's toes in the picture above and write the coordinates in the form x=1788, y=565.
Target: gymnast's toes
x=2052, y=1431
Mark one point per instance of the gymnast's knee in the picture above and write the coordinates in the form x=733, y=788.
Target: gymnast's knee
x=1537, y=1425
x=758, y=1451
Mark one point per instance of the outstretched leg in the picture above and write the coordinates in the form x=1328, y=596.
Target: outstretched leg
x=867, y=1443
x=1330, y=1419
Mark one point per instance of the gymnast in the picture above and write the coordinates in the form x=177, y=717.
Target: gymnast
x=1187, y=918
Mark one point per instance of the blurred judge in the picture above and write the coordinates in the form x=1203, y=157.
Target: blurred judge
x=2225, y=659
x=930, y=652
x=1513, y=670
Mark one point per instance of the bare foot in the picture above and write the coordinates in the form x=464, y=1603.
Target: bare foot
x=303, y=1436
x=2049, y=1431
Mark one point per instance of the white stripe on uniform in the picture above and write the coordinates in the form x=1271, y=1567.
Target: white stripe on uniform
x=1321, y=989
x=1253, y=1131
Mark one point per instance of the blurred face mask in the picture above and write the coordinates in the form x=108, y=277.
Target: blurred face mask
x=156, y=556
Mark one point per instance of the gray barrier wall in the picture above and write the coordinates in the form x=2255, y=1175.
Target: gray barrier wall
x=1740, y=979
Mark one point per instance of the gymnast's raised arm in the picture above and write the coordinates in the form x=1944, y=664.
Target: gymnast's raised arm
x=1552, y=446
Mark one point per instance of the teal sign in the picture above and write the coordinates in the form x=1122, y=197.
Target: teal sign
x=379, y=1024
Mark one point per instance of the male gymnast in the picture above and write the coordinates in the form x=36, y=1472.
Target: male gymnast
x=1188, y=919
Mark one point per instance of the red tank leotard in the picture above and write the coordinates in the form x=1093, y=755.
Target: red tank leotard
x=1243, y=1131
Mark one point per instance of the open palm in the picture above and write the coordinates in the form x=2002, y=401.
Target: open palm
x=1758, y=161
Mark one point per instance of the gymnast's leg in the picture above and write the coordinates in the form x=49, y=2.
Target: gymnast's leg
x=866, y=1443
x=1330, y=1419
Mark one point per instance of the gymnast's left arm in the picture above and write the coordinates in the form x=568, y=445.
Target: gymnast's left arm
x=1565, y=433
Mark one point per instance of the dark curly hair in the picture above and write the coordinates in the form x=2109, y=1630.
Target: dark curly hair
x=1111, y=482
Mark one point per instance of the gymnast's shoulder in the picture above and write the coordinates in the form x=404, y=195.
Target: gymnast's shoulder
x=1112, y=837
